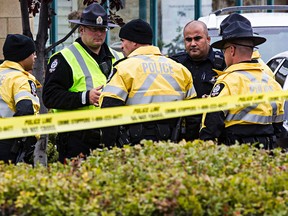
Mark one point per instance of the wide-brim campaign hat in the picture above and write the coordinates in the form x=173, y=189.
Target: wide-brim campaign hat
x=94, y=15
x=236, y=26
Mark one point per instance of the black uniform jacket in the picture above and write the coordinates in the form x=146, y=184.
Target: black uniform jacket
x=59, y=78
x=203, y=80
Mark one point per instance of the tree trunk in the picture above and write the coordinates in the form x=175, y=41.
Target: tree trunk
x=40, y=154
x=39, y=73
x=42, y=54
x=25, y=18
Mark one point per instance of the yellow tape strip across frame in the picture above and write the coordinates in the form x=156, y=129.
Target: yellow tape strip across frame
x=87, y=119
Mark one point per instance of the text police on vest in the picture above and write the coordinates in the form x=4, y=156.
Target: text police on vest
x=158, y=68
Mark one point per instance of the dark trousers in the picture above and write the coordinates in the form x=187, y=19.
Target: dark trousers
x=154, y=132
x=77, y=143
x=5, y=151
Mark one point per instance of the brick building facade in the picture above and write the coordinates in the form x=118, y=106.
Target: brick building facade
x=10, y=20
x=10, y=15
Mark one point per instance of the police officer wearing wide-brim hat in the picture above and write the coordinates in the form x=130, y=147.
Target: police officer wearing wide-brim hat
x=236, y=27
x=94, y=15
x=258, y=123
x=75, y=76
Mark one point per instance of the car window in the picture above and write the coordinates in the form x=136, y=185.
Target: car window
x=275, y=43
x=274, y=63
x=281, y=74
x=284, y=68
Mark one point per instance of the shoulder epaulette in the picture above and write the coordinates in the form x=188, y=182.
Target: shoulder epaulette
x=178, y=54
x=179, y=57
x=219, y=62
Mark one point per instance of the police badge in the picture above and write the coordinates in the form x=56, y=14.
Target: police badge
x=33, y=88
x=217, y=89
x=99, y=20
x=53, y=66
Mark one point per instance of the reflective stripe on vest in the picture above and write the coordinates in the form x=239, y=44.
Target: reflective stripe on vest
x=117, y=55
x=82, y=69
x=80, y=62
x=82, y=65
x=140, y=98
x=276, y=117
x=5, y=111
x=28, y=94
x=245, y=115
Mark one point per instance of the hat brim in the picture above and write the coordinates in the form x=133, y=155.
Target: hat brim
x=255, y=39
x=112, y=25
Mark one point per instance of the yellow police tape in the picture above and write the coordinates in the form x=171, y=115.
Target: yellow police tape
x=87, y=119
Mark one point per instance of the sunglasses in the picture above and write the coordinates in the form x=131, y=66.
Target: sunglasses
x=96, y=29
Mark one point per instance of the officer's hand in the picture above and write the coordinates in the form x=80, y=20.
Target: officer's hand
x=205, y=96
x=94, y=95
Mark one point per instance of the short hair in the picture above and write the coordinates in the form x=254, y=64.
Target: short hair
x=204, y=26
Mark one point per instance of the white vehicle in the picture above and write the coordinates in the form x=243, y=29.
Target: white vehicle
x=270, y=21
x=279, y=66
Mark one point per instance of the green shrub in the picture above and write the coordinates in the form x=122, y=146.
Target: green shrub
x=52, y=153
x=163, y=178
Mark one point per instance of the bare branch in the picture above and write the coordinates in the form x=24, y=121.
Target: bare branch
x=48, y=49
x=25, y=18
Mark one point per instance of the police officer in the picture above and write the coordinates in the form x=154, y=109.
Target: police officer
x=200, y=59
x=144, y=77
x=258, y=123
x=18, y=94
x=75, y=76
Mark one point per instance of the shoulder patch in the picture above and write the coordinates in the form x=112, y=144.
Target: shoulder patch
x=217, y=89
x=53, y=66
x=33, y=88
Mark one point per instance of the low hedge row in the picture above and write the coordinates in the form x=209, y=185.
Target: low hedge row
x=163, y=178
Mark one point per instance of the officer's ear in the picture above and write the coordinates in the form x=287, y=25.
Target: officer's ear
x=209, y=39
x=81, y=29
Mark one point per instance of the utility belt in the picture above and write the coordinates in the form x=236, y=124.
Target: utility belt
x=268, y=142
x=133, y=134
x=84, y=135
x=87, y=137
x=23, y=148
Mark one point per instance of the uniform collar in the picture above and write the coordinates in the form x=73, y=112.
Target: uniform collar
x=17, y=66
x=244, y=66
x=14, y=65
x=146, y=50
x=209, y=57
